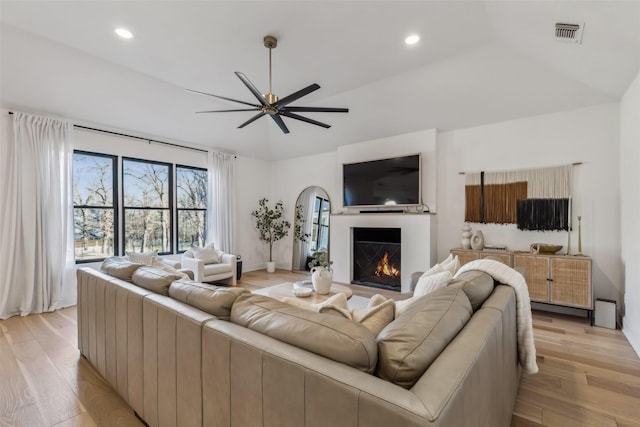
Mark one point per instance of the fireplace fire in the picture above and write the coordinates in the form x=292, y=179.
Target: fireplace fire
x=376, y=257
x=385, y=268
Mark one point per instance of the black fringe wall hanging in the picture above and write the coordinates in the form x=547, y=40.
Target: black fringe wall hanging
x=534, y=199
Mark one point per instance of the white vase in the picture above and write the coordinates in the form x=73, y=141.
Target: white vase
x=321, y=278
x=477, y=241
x=271, y=266
x=466, y=237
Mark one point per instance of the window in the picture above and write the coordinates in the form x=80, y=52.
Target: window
x=147, y=205
x=191, y=192
x=320, y=231
x=94, y=206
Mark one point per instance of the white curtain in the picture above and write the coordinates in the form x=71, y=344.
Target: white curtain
x=221, y=212
x=36, y=215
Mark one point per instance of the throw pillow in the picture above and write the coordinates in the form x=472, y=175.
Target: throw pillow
x=403, y=305
x=145, y=258
x=452, y=265
x=377, y=317
x=338, y=300
x=208, y=254
x=429, y=283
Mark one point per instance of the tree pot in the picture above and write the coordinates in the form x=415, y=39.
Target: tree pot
x=271, y=266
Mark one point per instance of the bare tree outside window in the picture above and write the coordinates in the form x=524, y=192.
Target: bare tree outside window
x=93, y=206
x=191, y=191
x=147, y=206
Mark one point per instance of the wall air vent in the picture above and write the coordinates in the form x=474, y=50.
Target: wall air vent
x=566, y=32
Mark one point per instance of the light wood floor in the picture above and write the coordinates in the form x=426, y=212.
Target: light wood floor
x=588, y=376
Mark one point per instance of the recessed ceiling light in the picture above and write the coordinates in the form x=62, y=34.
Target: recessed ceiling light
x=412, y=39
x=124, y=33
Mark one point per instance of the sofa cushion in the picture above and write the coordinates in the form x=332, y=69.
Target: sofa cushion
x=409, y=344
x=478, y=285
x=154, y=279
x=216, y=300
x=119, y=267
x=333, y=337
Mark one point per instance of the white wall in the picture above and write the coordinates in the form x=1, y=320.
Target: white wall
x=288, y=179
x=629, y=209
x=588, y=135
x=252, y=184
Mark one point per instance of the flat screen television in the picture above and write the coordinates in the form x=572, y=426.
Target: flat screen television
x=387, y=182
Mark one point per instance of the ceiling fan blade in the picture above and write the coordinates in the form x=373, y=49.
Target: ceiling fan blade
x=304, y=119
x=276, y=118
x=252, y=88
x=316, y=109
x=221, y=97
x=297, y=95
x=229, y=111
x=252, y=119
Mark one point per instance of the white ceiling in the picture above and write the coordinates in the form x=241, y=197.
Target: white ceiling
x=477, y=62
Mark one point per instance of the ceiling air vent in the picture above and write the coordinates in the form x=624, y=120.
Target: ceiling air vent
x=571, y=33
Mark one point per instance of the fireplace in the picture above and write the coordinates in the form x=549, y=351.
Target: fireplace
x=376, y=257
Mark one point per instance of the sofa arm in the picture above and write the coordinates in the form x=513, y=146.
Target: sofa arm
x=171, y=263
x=195, y=265
x=414, y=280
x=231, y=260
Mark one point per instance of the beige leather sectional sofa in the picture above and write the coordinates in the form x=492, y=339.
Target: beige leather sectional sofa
x=187, y=354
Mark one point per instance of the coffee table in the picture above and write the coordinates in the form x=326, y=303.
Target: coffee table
x=284, y=290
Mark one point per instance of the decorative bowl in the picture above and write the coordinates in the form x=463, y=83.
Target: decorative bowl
x=543, y=248
x=302, y=292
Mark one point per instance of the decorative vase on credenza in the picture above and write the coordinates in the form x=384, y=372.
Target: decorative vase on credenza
x=477, y=241
x=466, y=237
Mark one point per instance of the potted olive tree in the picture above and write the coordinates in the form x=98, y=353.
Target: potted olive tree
x=271, y=226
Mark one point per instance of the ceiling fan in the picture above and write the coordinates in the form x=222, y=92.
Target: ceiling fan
x=270, y=104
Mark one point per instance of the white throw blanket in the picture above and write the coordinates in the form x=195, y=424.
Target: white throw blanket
x=524, y=325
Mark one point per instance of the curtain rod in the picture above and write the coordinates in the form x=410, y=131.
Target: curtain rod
x=573, y=164
x=149, y=140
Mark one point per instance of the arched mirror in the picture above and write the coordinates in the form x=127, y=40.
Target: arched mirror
x=311, y=226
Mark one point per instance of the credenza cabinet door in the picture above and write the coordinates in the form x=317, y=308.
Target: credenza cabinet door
x=536, y=273
x=465, y=256
x=571, y=283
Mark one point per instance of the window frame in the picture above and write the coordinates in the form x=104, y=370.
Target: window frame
x=316, y=220
x=178, y=209
x=169, y=208
x=114, y=205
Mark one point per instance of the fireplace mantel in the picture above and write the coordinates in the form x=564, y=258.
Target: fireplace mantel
x=417, y=239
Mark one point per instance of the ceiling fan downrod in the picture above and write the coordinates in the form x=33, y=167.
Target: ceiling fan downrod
x=270, y=42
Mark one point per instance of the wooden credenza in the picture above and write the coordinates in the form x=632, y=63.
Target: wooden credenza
x=551, y=279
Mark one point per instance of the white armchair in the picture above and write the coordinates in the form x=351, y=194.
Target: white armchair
x=206, y=271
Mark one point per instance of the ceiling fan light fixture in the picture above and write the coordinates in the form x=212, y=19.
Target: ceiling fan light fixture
x=412, y=39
